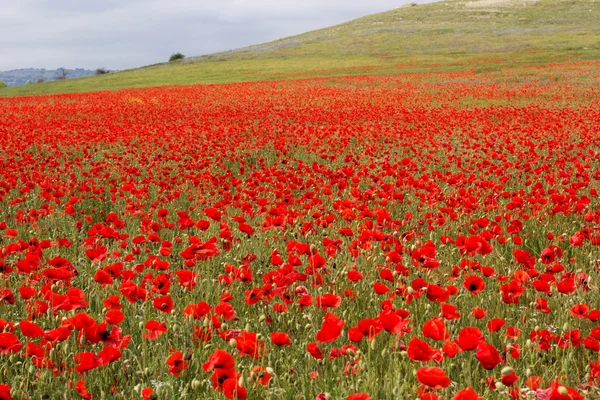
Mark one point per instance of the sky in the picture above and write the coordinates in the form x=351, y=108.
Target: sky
x=121, y=34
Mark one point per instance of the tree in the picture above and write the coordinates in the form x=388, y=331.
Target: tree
x=101, y=71
x=61, y=74
x=2, y=85
x=176, y=56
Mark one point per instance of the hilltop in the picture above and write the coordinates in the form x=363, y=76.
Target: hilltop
x=445, y=35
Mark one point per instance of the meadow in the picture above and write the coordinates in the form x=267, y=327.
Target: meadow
x=429, y=235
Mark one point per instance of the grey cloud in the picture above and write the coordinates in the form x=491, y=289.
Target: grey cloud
x=121, y=34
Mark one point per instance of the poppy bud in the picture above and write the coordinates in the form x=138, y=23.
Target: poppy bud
x=232, y=343
x=499, y=386
x=269, y=370
x=563, y=390
x=507, y=371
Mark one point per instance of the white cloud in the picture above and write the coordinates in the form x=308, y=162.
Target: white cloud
x=121, y=34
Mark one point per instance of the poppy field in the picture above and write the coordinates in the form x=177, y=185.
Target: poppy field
x=415, y=236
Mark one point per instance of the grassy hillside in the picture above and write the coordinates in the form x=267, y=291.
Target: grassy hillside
x=452, y=34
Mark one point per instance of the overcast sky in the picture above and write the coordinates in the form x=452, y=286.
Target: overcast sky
x=120, y=34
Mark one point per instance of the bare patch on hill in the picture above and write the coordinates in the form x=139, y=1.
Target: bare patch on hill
x=499, y=3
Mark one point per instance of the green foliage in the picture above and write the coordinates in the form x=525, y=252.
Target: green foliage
x=176, y=56
x=2, y=85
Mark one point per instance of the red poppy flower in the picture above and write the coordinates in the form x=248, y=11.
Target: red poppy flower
x=9, y=343
x=280, y=339
x=81, y=390
x=474, y=284
x=358, y=396
x=233, y=391
x=30, y=330
x=176, y=363
x=155, y=329
x=331, y=328
x=314, y=350
x=510, y=378
x=187, y=278
x=450, y=311
x=163, y=304
x=114, y=317
x=5, y=392
x=419, y=350
x=435, y=329
x=434, y=377
x=86, y=361
x=220, y=359
x=495, y=324
x=247, y=344
x=469, y=338
x=450, y=349
x=487, y=355
x=467, y=394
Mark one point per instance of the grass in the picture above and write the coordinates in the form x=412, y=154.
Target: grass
x=445, y=36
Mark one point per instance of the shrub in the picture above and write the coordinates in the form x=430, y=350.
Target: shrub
x=101, y=71
x=176, y=56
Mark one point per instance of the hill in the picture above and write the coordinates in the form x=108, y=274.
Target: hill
x=446, y=35
x=23, y=76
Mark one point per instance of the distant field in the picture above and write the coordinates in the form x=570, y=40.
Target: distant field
x=443, y=36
